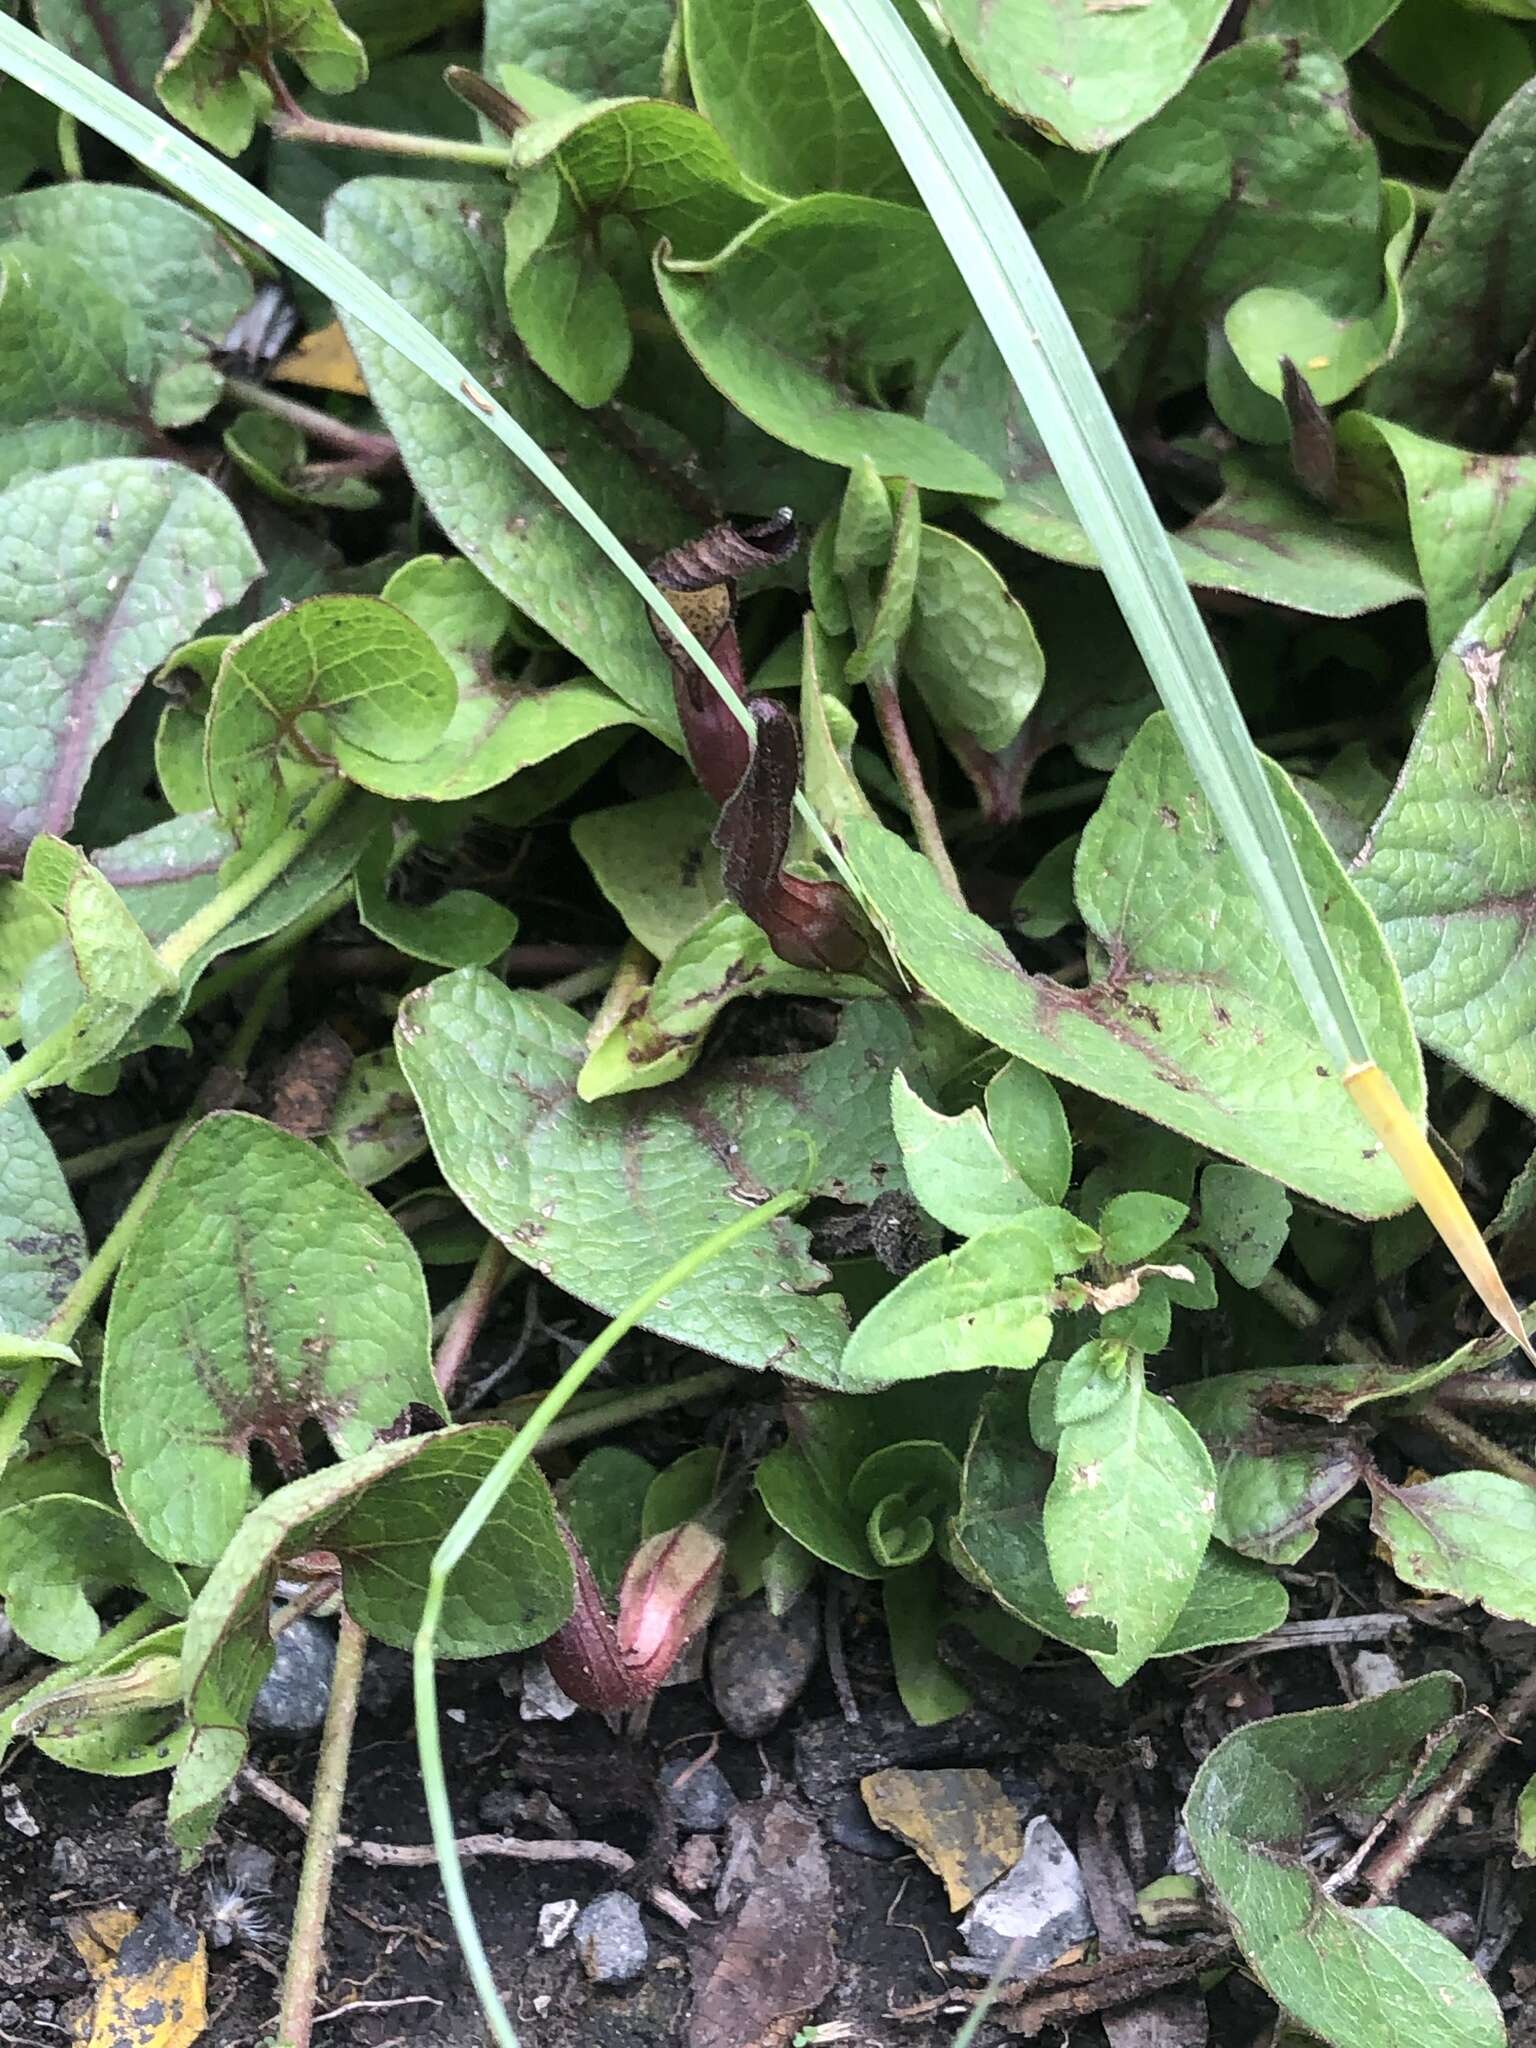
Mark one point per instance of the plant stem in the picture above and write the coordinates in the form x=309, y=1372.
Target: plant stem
x=297, y=835
x=485, y=1283
x=1494, y=1395
x=1302, y=1313
x=622, y=1409
x=1471, y=1444
x=213, y=987
x=903, y=756
x=102, y=1158
x=450, y=1553
x=373, y=449
x=306, y=1953
x=1387, y=1871
x=302, y=127
x=586, y=981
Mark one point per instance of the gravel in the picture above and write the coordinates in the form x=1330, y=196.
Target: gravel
x=611, y=1941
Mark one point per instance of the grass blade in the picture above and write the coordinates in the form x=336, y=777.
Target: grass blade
x=1030, y=327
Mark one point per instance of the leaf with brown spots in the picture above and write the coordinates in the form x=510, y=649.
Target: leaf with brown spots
x=264, y=1293
x=1191, y=1015
x=604, y=1196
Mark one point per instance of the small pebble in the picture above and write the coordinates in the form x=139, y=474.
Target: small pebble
x=1373, y=1672
x=848, y=1824
x=69, y=1862
x=251, y=1867
x=297, y=1690
x=697, y=1864
x=698, y=1794
x=759, y=1666
x=556, y=1919
x=611, y=1941
x=1041, y=1905
x=542, y=1699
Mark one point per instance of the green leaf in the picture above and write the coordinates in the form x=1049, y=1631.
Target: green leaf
x=350, y=675
x=954, y=1166
x=499, y=726
x=1192, y=985
x=1468, y=1533
x=1029, y=1127
x=173, y=285
x=1257, y=170
x=971, y=651
x=659, y=166
x=375, y=1127
x=110, y=565
x=1457, y=926
x=1466, y=513
x=1245, y=1218
x=656, y=863
x=570, y=314
x=61, y=1536
x=682, y=1492
x=861, y=284
x=807, y=1484
x=587, y=46
x=1233, y=1600
x=987, y=1304
x=1128, y=1518
x=905, y=1492
x=916, y=1610
x=861, y=536
x=1476, y=251
x=215, y=80
x=603, y=1196
x=461, y=928
x=120, y=1717
x=127, y=45
x=1136, y=1224
x=438, y=248
x=1342, y=24
x=1083, y=75
x=1276, y=1478
x=111, y=975
x=1359, y=1977
x=1334, y=353
x=603, y=1503
x=383, y=1513
x=311, y=1307
x=1261, y=538
x=998, y=1534
x=881, y=638
x=274, y=455
x=42, y=1243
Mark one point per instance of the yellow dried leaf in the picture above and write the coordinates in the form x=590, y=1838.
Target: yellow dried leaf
x=325, y=362
x=153, y=1979
x=961, y=1822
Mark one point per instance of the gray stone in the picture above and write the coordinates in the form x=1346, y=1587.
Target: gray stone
x=611, y=1941
x=847, y=1823
x=297, y=1690
x=698, y=1795
x=1036, y=1912
x=69, y=1863
x=759, y=1666
x=542, y=1698
x=556, y=1919
x=251, y=1867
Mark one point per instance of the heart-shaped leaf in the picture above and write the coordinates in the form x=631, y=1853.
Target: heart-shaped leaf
x=310, y=1307
x=1189, y=987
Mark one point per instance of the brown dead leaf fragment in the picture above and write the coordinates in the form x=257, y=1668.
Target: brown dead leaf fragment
x=308, y=1084
x=961, y=1822
x=770, y=1960
x=152, y=1976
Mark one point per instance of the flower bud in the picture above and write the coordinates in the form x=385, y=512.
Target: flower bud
x=667, y=1596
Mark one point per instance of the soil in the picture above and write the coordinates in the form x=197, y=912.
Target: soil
x=1060, y=1741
